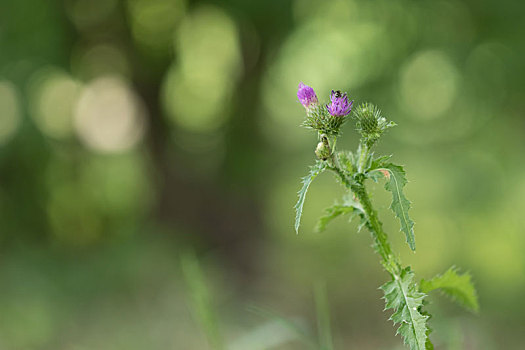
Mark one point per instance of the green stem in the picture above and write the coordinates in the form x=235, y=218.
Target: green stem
x=364, y=149
x=334, y=166
x=376, y=228
x=334, y=144
x=356, y=185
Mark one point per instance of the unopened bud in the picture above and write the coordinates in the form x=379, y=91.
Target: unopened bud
x=323, y=151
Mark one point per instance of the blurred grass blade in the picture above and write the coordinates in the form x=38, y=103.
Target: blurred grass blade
x=323, y=317
x=269, y=335
x=200, y=299
x=302, y=335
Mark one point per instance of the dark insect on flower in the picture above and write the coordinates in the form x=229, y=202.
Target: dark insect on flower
x=339, y=106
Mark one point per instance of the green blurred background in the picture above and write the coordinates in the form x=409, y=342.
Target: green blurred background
x=133, y=131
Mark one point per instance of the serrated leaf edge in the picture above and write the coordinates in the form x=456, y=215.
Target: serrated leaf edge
x=412, y=312
x=349, y=206
x=406, y=222
x=315, y=170
x=472, y=302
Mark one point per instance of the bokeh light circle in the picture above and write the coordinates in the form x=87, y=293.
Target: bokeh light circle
x=428, y=84
x=109, y=116
x=53, y=98
x=197, y=89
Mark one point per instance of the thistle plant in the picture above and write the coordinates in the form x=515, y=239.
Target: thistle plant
x=402, y=293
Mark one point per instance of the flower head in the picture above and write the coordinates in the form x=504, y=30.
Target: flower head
x=370, y=122
x=339, y=105
x=306, y=96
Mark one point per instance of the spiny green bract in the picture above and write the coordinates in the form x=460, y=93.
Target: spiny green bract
x=370, y=123
x=403, y=296
x=315, y=170
x=319, y=119
x=458, y=287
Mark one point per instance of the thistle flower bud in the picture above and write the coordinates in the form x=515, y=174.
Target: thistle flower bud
x=339, y=106
x=370, y=123
x=323, y=151
x=307, y=96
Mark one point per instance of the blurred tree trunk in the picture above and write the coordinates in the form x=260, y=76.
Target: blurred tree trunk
x=225, y=211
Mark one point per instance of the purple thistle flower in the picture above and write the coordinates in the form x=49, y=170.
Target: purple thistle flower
x=339, y=106
x=306, y=96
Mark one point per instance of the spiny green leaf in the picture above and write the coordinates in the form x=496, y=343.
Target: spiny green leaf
x=377, y=163
x=347, y=161
x=428, y=345
x=396, y=180
x=349, y=206
x=456, y=286
x=315, y=170
x=331, y=213
x=402, y=295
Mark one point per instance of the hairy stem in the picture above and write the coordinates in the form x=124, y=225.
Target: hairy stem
x=364, y=149
x=357, y=186
x=375, y=226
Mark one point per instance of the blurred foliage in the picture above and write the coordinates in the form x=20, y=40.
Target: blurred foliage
x=131, y=130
